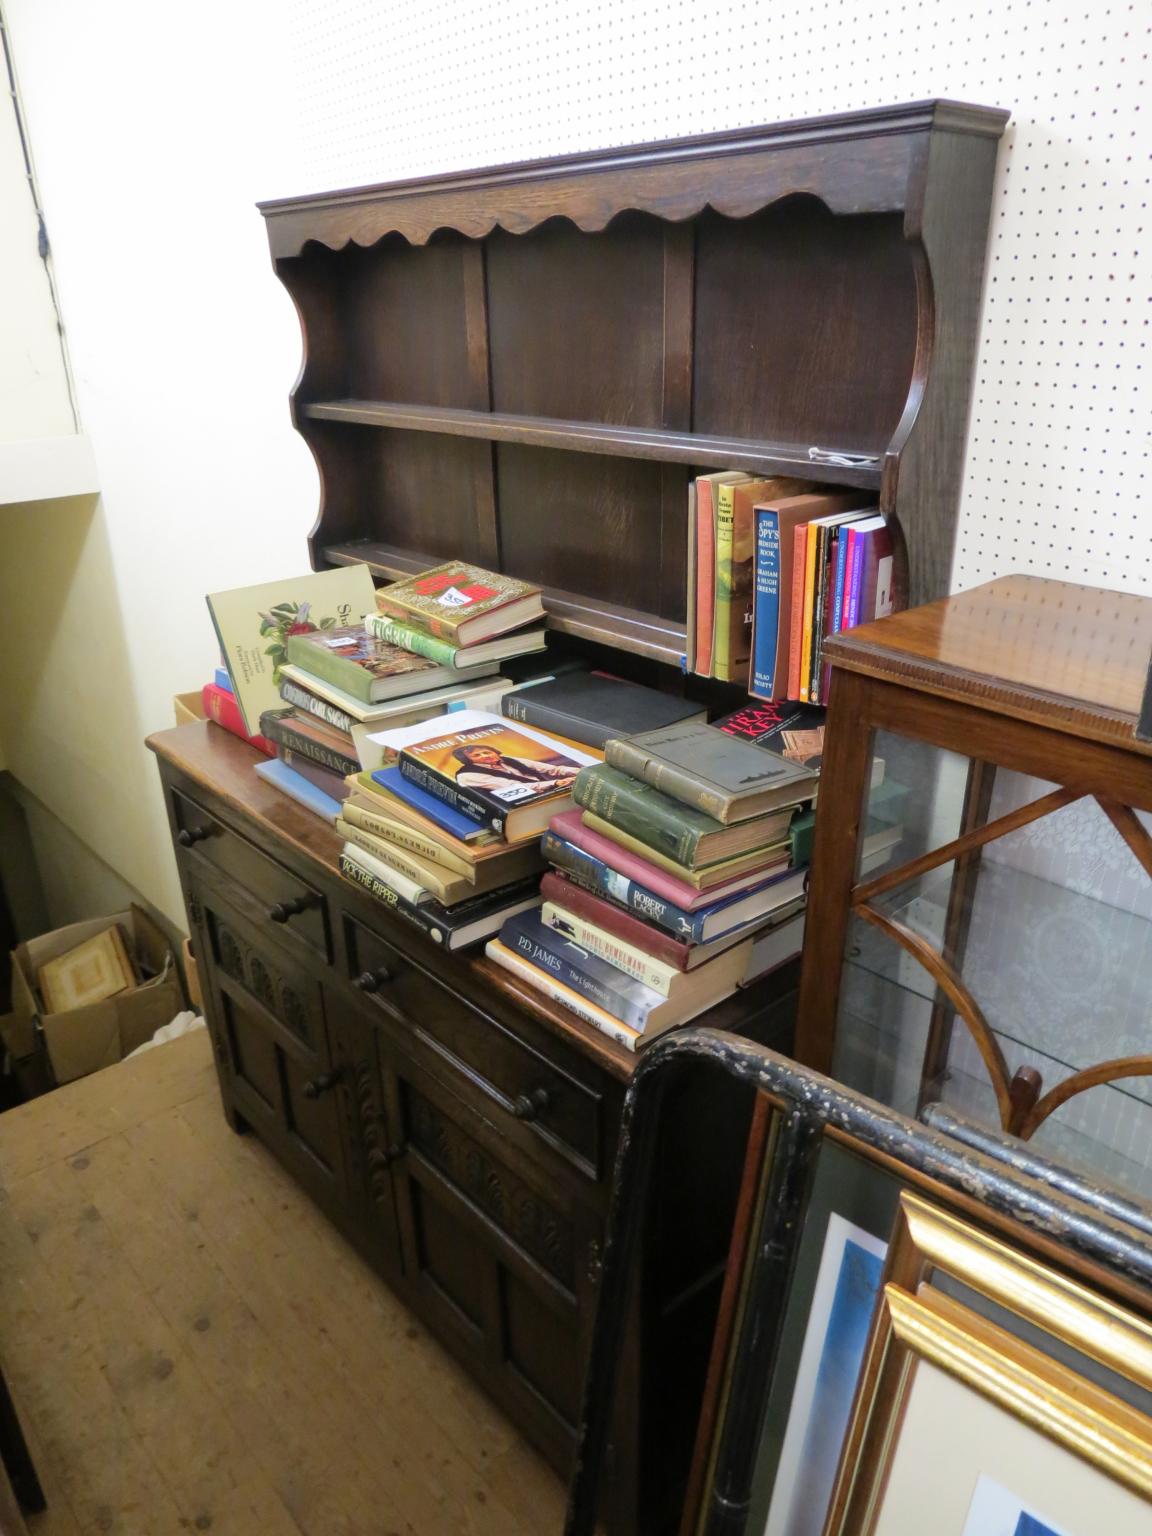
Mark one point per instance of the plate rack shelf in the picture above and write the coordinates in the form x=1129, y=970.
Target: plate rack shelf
x=526, y=366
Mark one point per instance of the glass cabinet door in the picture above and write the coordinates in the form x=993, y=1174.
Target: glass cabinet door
x=1013, y=980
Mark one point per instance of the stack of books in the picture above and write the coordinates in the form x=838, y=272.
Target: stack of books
x=448, y=835
x=675, y=880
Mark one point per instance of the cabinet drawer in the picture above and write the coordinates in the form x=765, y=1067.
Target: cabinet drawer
x=269, y=894
x=508, y=1071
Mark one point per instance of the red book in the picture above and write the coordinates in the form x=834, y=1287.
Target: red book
x=221, y=707
x=796, y=635
x=613, y=919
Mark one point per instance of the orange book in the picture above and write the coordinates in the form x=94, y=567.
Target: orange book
x=796, y=631
x=705, y=563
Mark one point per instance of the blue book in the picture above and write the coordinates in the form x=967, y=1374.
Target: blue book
x=698, y=927
x=289, y=782
x=222, y=680
x=450, y=820
x=765, y=633
x=617, y=993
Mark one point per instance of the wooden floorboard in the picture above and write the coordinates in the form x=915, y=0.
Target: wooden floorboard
x=193, y=1347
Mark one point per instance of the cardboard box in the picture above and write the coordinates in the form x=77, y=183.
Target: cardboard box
x=82, y=1040
x=188, y=707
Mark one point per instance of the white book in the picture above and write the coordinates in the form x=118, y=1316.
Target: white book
x=622, y=1033
x=411, y=890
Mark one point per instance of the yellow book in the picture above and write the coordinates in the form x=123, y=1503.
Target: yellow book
x=809, y=602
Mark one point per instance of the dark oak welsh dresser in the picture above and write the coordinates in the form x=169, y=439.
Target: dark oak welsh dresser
x=525, y=367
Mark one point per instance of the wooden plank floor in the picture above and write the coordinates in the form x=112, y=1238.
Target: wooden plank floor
x=193, y=1348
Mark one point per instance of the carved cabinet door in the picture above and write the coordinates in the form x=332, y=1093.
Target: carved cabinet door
x=498, y=1262
x=267, y=1019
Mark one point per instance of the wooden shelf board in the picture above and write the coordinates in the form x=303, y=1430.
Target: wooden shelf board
x=644, y=634
x=593, y=437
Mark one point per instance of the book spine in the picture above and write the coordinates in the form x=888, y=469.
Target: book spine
x=855, y=573
x=220, y=706
x=281, y=732
x=408, y=838
x=724, y=580
x=690, y=626
x=810, y=557
x=796, y=636
x=292, y=693
x=541, y=981
x=223, y=680
x=670, y=779
x=477, y=811
x=422, y=881
x=443, y=629
x=330, y=667
x=766, y=617
x=819, y=568
x=598, y=990
x=524, y=708
x=705, y=576
x=632, y=807
x=825, y=574
x=607, y=916
x=327, y=782
x=409, y=638
x=390, y=898
x=843, y=545
x=643, y=968
x=596, y=876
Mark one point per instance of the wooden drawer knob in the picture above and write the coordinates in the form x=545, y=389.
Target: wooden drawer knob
x=283, y=910
x=530, y=1106
x=189, y=835
x=318, y=1085
x=372, y=981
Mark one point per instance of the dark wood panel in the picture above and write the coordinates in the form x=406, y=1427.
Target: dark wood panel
x=585, y=524
x=418, y=489
x=537, y=1349
x=404, y=322
x=577, y=321
x=805, y=326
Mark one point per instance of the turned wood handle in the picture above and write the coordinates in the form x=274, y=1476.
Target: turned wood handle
x=530, y=1106
x=372, y=981
x=189, y=835
x=318, y=1085
x=283, y=910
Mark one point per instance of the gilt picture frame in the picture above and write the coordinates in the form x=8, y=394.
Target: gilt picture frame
x=1056, y=1412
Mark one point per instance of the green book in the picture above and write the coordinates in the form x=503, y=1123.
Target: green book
x=369, y=669
x=409, y=638
x=689, y=837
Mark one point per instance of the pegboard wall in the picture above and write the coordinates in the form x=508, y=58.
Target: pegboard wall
x=1057, y=479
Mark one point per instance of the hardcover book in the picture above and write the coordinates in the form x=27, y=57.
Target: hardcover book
x=397, y=712
x=723, y=972
x=735, y=558
x=446, y=653
x=281, y=727
x=220, y=706
x=367, y=668
x=704, y=877
x=775, y=535
x=508, y=777
x=700, y=925
x=712, y=770
x=462, y=603
x=705, y=563
x=328, y=783
x=254, y=624
x=794, y=731
x=297, y=787
x=453, y=928
x=392, y=783
x=549, y=986
x=681, y=833
x=591, y=709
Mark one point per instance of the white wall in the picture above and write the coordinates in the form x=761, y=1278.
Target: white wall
x=155, y=129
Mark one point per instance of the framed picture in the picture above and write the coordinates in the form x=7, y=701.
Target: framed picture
x=871, y=1255
x=1002, y=1424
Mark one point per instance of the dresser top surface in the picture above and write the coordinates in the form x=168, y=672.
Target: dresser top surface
x=221, y=764
x=1073, y=657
